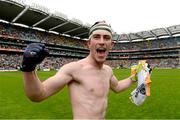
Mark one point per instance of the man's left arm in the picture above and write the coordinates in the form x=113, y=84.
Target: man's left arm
x=120, y=85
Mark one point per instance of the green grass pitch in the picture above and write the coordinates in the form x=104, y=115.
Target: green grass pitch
x=164, y=102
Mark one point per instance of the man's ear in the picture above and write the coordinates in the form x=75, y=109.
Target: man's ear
x=112, y=44
x=88, y=43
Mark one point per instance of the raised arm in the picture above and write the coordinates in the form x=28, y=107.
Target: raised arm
x=34, y=88
x=37, y=90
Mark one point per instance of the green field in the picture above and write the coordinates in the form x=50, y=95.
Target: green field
x=164, y=102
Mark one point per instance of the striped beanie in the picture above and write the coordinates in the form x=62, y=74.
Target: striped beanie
x=102, y=25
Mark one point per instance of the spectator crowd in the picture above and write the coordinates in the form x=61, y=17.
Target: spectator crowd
x=162, y=53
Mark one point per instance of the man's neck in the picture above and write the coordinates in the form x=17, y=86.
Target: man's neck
x=94, y=63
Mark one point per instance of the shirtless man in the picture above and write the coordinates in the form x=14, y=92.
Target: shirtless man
x=88, y=80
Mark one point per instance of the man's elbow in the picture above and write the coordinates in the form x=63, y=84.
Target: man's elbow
x=115, y=90
x=35, y=97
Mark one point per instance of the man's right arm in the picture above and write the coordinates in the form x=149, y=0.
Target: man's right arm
x=37, y=90
x=33, y=86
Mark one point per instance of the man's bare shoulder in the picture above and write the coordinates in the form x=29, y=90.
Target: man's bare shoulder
x=107, y=67
x=71, y=66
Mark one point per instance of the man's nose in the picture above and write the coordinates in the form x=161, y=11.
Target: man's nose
x=101, y=41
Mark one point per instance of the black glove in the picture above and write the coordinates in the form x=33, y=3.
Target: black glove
x=33, y=55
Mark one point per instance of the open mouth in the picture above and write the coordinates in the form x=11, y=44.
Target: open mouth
x=101, y=51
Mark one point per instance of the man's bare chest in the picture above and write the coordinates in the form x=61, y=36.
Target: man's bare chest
x=94, y=82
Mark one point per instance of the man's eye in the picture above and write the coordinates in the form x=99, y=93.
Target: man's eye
x=107, y=37
x=96, y=36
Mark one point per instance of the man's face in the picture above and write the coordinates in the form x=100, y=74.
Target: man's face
x=99, y=43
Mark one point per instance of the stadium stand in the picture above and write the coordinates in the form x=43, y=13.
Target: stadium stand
x=66, y=39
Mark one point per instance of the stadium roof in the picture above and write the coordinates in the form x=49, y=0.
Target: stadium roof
x=37, y=16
